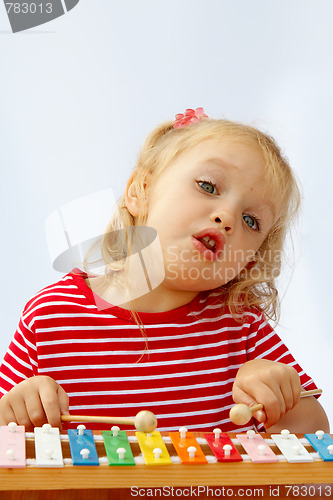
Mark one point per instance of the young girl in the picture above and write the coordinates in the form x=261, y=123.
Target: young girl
x=186, y=335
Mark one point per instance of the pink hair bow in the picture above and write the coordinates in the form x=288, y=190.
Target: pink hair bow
x=189, y=117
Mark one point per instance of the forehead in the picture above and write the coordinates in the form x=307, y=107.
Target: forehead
x=230, y=153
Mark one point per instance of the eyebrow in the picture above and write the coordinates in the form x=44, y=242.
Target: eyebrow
x=220, y=163
x=270, y=206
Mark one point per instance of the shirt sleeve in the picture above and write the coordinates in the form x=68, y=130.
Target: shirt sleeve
x=20, y=360
x=264, y=343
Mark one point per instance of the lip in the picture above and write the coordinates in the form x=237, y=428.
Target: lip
x=214, y=234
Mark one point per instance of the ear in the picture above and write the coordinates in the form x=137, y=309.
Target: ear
x=136, y=198
x=131, y=197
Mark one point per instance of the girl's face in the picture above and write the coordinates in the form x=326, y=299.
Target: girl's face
x=212, y=210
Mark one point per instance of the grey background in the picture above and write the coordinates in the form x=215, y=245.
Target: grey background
x=79, y=94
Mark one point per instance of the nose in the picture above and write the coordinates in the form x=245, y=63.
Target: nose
x=224, y=219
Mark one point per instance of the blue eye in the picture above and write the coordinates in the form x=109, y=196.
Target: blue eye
x=251, y=222
x=209, y=187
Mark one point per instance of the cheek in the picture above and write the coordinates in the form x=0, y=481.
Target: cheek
x=159, y=209
x=251, y=246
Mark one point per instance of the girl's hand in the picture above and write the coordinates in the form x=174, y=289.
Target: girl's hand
x=275, y=385
x=34, y=402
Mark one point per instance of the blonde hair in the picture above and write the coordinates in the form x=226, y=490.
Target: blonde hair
x=254, y=286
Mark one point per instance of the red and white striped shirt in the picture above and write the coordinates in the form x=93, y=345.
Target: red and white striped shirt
x=100, y=357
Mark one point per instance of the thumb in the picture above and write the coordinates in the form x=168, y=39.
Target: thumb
x=63, y=401
x=240, y=396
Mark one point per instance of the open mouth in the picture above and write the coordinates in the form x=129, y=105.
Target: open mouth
x=209, y=242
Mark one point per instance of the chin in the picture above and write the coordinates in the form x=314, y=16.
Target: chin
x=197, y=278
x=192, y=285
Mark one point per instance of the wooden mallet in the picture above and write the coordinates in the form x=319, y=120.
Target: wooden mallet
x=145, y=421
x=241, y=414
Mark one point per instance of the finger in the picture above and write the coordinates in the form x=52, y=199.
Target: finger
x=35, y=409
x=273, y=402
x=260, y=416
x=270, y=397
x=63, y=401
x=275, y=408
x=297, y=396
x=49, y=400
x=241, y=396
x=296, y=389
x=288, y=396
x=291, y=388
x=257, y=396
x=7, y=415
x=21, y=414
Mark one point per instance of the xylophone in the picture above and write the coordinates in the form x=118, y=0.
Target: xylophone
x=82, y=460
